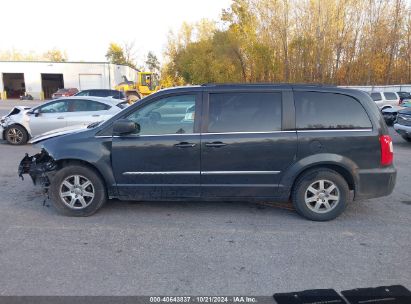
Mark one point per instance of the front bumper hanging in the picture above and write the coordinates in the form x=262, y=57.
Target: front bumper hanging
x=39, y=167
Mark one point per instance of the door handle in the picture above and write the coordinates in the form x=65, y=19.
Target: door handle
x=216, y=144
x=185, y=144
x=60, y=117
x=96, y=115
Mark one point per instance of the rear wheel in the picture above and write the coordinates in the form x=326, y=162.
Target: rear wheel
x=320, y=195
x=77, y=191
x=16, y=135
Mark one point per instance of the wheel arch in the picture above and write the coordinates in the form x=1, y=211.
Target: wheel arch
x=334, y=167
x=345, y=167
x=16, y=124
x=72, y=161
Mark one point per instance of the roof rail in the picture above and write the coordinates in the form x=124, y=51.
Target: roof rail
x=265, y=84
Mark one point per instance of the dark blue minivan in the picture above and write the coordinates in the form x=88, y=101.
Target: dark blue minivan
x=320, y=147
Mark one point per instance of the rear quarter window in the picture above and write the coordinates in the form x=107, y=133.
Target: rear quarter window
x=390, y=96
x=316, y=110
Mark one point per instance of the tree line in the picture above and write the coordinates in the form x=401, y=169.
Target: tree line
x=343, y=42
x=54, y=55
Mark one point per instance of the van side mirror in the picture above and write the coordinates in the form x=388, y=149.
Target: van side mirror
x=125, y=126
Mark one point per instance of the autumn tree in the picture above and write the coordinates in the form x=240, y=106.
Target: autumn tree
x=55, y=55
x=343, y=42
x=115, y=54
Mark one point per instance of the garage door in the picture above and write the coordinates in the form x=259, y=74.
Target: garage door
x=90, y=81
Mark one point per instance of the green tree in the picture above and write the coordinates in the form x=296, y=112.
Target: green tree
x=152, y=63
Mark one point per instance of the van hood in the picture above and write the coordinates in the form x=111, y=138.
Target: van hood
x=58, y=132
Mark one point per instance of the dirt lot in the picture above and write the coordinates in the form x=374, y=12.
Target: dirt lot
x=181, y=248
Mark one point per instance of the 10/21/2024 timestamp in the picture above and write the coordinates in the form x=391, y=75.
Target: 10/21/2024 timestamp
x=203, y=299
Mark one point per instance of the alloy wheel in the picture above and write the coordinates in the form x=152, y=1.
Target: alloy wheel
x=15, y=135
x=322, y=196
x=77, y=192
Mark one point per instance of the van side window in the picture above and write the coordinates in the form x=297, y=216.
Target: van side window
x=316, y=110
x=244, y=112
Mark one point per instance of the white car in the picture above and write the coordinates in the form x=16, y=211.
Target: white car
x=386, y=100
x=23, y=123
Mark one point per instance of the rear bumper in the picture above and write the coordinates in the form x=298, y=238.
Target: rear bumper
x=374, y=183
x=402, y=130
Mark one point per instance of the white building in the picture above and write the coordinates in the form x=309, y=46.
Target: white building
x=41, y=79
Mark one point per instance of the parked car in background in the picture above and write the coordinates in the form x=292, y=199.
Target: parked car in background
x=403, y=124
x=404, y=96
x=64, y=93
x=314, y=145
x=386, y=99
x=23, y=123
x=390, y=114
x=103, y=93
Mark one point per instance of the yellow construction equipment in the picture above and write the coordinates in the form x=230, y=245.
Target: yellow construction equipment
x=146, y=84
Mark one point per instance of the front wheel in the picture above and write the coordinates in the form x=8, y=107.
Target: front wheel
x=320, y=194
x=77, y=191
x=16, y=135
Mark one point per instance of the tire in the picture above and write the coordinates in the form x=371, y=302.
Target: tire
x=406, y=138
x=308, y=188
x=134, y=97
x=77, y=201
x=16, y=135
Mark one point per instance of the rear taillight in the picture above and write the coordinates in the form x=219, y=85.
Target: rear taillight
x=400, y=102
x=387, y=151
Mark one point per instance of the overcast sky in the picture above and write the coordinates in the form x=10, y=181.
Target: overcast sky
x=85, y=28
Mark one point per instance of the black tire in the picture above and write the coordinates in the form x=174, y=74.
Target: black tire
x=300, y=192
x=16, y=135
x=406, y=138
x=85, y=173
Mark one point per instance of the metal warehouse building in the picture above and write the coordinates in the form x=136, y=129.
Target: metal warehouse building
x=42, y=78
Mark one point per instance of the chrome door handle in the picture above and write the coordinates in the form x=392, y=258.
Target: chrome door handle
x=60, y=117
x=185, y=145
x=215, y=144
x=96, y=115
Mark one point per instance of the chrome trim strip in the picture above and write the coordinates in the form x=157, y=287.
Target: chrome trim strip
x=238, y=172
x=198, y=172
x=162, y=173
x=260, y=132
x=197, y=185
x=335, y=130
x=239, y=185
x=222, y=133
x=137, y=135
x=169, y=134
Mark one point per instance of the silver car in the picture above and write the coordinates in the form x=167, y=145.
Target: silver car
x=23, y=123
